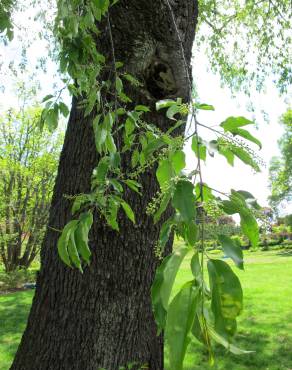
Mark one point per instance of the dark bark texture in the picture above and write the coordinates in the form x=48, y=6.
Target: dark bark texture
x=103, y=319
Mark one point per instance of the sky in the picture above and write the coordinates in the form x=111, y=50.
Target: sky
x=216, y=171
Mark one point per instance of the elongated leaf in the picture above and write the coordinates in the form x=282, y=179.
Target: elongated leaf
x=184, y=200
x=72, y=250
x=63, y=109
x=227, y=153
x=204, y=106
x=163, y=284
x=249, y=226
x=163, y=205
x=165, y=104
x=232, y=250
x=102, y=169
x=250, y=199
x=47, y=97
x=247, y=135
x=226, y=293
x=232, y=123
x=111, y=217
x=128, y=210
x=191, y=233
x=165, y=232
x=221, y=340
x=81, y=235
x=245, y=157
x=180, y=318
x=134, y=185
x=164, y=172
x=64, y=240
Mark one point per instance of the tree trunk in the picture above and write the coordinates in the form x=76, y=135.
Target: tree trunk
x=103, y=318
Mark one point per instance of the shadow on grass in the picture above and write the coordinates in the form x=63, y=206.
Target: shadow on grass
x=283, y=253
x=271, y=345
x=14, y=310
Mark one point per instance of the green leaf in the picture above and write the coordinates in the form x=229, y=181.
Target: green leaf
x=184, y=200
x=232, y=123
x=165, y=232
x=110, y=144
x=199, y=148
x=81, y=235
x=249, y=226
x=191, y=234
x=47, y=97
x=64, y=109
x=180, y=318
x=246, y=135
x=164, y=173
x=163, y=205
x=163, y=284
x=196, y=267
x=226, y=293
x=128, y=210
x=225, y=343
x=102, y=169
x=119, y=85
x=79, y=201
x=227, y=153
x=116, y=185
x=129, y=126
x=51, y=118
x=64, y=240
x=203, y=192
x=112, y=214
x=204, y=106
x=72, y=250
x=245, y=157
x=232, y=250
x=172, y=111
x=237, y=204
x=178, y=160
x=142, y=108
x=165, y=103
x=250, y=199
x=134, y=185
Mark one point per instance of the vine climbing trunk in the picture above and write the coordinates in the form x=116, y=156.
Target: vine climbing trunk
x=103, y=317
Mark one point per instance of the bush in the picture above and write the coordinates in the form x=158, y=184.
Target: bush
x=16, y=279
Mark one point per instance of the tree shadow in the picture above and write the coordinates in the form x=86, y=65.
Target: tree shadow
x=14, y=310
x=287, y=253
x=271, y=344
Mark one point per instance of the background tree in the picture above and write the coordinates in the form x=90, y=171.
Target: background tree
x=28, y=165
x=281, y=167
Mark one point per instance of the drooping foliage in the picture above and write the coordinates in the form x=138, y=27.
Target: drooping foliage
x=247, y=41
x=206, y=311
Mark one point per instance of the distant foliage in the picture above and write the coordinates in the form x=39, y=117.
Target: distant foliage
x=28, y=165
x=281, y=167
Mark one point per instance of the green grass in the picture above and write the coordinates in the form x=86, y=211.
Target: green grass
x=265, y=325
x=14, y=309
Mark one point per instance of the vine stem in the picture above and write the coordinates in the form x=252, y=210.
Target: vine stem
x=201, y=184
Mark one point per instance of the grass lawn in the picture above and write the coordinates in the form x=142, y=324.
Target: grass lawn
x=265, y=325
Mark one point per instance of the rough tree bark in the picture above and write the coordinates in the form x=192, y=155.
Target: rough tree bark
x=103, y=318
